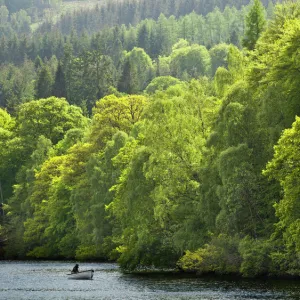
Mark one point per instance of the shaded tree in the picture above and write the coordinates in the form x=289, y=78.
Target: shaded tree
x=255, y=23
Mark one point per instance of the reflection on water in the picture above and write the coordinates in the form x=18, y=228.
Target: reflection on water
x=48, y=280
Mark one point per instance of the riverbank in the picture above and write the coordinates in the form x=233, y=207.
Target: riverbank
x=156, y=272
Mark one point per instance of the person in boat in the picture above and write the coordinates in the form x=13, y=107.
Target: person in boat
x=75, y=269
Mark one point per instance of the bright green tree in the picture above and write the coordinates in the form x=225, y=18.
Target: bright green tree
x=39, y=124
x=163, y=167
x=51, y=117
x=223, y=79
x=284, y=167
x=19, y=207
x=190, y=62
x=8, y=153
x=161, y=83
x=95, y=227
x=113, y=114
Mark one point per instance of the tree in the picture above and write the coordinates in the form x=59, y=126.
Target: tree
x=137, y=71
x=21, y=22
x=238, y=194
x=284, y=167
x=223, y=79
x=218, y=56
x=44, y=83
x=255, y=23
x=95, y=227
x=17, y=84
x=163, y=35
x=3, y=15
x=143, y=36
x=9, y=153
x=59, y=85
x=40, y=124
x=112, y=114
x=275, y=65
x=38, y=63
x=190, y=62
x=68, y=66
x=270, y=9
x=51, y=117
x=19, y=208
x=156, y=202
x=15, y=5
x=163, y=66
x=235, y=61
x=161, y=83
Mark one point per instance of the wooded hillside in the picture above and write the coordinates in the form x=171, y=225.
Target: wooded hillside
x=167, y=143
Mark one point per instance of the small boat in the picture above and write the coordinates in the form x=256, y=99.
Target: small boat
x=88, y=274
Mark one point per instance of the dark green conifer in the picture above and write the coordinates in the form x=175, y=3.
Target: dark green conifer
x=59, y=86
x=44, y=83
x=255, y=23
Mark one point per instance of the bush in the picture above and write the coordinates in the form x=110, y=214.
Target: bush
x=220, y=256
x=256, y=257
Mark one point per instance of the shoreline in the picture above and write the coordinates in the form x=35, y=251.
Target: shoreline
x=170, y=273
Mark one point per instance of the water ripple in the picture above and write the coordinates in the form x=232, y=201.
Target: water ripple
x=48, y=281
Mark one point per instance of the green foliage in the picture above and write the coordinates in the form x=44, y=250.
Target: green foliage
x=86, y=253
x=44, y=83
x=50, y=117
x=218, y=55
x=71, y=137
x=112, y=114
x=37, y=122
x=137, y=73
x=93, y=222
x=240, y=209
x=190, y=62
x=19, y=206
x=270, y=9
x=17, y=85
x=255, y=23
x=161, y=84
x=51, y=230
x=6, y=121
x=89, y=77
x=284, y=168
x=223, y=79
x=284, y=67
x=173, y=175
x=221, y=256
x=255, y=256
x=235, y=60
x=163, y=66
x=59, y=85
x=162, y=178
x=10, y=150
x=142, y=240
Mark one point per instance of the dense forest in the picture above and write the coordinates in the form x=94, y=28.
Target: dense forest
x=159, y=134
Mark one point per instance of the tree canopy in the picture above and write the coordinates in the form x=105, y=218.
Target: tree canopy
x=172, y=142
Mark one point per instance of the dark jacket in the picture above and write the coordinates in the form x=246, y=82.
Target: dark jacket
x=75, y=269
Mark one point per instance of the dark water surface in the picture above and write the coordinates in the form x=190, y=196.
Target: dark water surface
x=48, y=280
